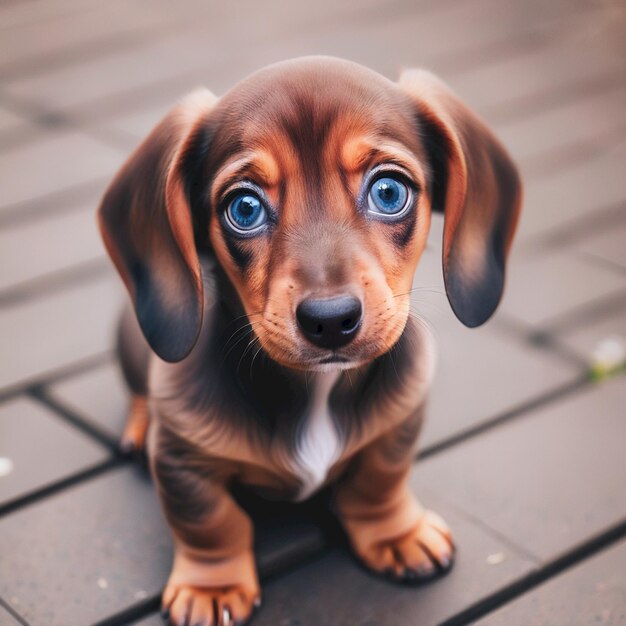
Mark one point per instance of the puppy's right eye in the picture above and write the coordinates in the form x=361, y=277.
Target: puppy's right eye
x=388, y=197
x=245, y=213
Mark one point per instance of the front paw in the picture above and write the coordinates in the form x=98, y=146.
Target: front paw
x=204, y=606
x=415, y=556
x=223, y=592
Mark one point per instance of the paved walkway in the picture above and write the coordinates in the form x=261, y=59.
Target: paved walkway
x=524, y=451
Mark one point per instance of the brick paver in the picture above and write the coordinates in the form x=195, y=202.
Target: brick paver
x=591, y=593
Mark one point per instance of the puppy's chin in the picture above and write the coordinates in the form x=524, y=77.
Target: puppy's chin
x=323, y=365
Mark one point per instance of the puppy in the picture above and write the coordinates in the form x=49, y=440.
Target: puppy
x=268, y=241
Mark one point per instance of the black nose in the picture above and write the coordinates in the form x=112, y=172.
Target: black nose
x=330, y=323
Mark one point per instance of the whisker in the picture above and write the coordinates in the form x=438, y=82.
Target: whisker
x=244, y=328
x=249, y=329
x=250, y=346
x=254, y=357
x=433, y=289
x=238, y=330
x=429, y=308
x=425, y=324
x=350, y=379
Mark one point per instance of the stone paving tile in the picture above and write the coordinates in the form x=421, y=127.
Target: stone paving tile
x=6, y=619
x=16, y=15
x=501, y=87
x=151, y=620
x=548, y=481
x=609, y=245
x=481, y=372
x=162, y=59
x=47, y=333
x=98, y=396
x=50, y=244
x=334, y=591
x=553, y=202
x=544, y=286
x=9, y=120
x=37, y=41
x=484, y=373
x=593, y=592
x=593, y=118
x=137, y=124
x=41, y=449
x=585, y=339
x=115, y=548
x=55, y=162
x=19, y=134
x=281, y=20
x=66, y=200
x=109, y=536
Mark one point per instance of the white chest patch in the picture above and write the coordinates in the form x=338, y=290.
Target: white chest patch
x=318, y=444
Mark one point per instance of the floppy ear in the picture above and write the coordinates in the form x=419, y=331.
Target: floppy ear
x=147, y=227
x=476, y=185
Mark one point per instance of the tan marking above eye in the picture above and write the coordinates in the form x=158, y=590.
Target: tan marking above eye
x=362, y=153
x=258, y=166
x=356, y=154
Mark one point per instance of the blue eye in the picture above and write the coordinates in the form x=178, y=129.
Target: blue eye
x=246, y=213
x=387, y=196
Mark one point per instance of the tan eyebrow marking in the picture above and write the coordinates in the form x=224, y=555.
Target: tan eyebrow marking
x=359, y=154
x=259, y=166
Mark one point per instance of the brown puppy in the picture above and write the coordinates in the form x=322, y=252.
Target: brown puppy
x=268, y=241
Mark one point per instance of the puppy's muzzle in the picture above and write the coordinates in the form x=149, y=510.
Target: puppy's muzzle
x=330, y=323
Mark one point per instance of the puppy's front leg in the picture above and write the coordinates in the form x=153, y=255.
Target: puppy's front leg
x=213, y=580
x=388, y=528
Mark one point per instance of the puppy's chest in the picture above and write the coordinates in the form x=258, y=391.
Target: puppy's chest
x=318, y=444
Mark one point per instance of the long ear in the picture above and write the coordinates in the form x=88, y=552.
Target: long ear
x=146, y=224
x=477, y=187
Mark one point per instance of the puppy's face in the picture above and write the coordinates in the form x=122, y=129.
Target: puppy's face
x=312, y=184
x=319, y=211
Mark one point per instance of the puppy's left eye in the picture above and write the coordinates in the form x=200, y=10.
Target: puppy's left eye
x=246, y=213
x=387, y=196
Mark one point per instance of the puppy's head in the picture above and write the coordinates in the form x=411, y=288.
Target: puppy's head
x=312, y=184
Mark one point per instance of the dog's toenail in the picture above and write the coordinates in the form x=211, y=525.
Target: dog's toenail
x=226, y=617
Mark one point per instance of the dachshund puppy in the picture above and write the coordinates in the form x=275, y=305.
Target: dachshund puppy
x=268, y=241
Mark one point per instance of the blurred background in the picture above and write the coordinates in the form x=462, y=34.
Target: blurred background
x=523, y=451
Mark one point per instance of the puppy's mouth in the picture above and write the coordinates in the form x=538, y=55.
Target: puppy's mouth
x=334, y=362
x=334, y=358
